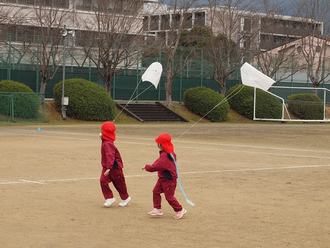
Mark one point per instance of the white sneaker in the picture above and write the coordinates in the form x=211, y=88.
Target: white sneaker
x=108, y=202
x=123, y=203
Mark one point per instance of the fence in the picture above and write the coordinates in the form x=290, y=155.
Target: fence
x=123, y=84
x=17, y=66
x=22, y=107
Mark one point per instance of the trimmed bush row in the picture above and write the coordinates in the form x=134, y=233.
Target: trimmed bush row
x=306, y=106
x=241, y=97
x=87, y=100
x=202, y=100
x=26, y=102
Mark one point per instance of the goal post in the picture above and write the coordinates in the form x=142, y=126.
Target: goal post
x=282, y=93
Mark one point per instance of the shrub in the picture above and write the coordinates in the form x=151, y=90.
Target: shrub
x=306, y=106
x=26, y=102
x=241, y=100
x=201, y=100
x=87, y=100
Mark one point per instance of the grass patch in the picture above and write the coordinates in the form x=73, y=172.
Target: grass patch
x=55, y=118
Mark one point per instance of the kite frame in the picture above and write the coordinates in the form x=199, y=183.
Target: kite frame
x=325, y=90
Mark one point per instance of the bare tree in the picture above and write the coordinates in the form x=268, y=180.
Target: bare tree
x=314, y=49
x=174, y=18
x=10, y=16
x=42, y=37
x=235, y=33
x=275, y=56
x=114, y=37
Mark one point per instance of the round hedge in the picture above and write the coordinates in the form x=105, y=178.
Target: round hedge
x=201, y=100
x=26, y=102
x=306, y=106
x=87, y=100
x=241, y=97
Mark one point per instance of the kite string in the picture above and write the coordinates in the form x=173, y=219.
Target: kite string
x=226, y=98
x=130, y=100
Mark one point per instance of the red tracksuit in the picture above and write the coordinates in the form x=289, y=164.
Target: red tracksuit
x=166, y=182
x=111, y=159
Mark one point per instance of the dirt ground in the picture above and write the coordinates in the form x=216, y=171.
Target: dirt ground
x=254, y=185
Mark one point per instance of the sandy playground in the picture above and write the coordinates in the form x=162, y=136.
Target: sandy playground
x=254, y=185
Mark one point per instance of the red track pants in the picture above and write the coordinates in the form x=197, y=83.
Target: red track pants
x=116, y=176
x=167, y=187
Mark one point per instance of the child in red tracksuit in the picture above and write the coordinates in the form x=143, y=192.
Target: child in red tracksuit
x=167, y=177
x=112, y=167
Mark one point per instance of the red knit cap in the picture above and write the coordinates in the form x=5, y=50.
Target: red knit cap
x=165, y=140
x=108, y=131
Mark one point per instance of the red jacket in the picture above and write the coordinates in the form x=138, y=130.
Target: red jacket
x=110, y=155
x=165, y=167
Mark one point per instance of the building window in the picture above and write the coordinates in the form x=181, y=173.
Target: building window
x=48, y=3
x=154, y=23
x=247, y=24
x=53, y=3
x=84, y=5
x=31, y=2
x=246, y=43
x=187, y=22
x=146, y=23
x=199, y=19
x=176, y=20
x=165, y=20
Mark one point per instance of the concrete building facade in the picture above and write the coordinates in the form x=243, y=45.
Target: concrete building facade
x=268, y=31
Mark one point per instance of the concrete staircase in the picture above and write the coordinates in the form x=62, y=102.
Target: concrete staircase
x=150, y=112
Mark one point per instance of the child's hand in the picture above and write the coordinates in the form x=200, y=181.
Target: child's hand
x=106, y=173
x=144, y=167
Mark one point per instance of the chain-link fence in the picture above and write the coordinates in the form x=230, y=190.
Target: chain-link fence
x=22, y=107
x=24, y=67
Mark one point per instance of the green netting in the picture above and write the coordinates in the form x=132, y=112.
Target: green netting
x=22, y=107
x=6, y=105
x=25, y=68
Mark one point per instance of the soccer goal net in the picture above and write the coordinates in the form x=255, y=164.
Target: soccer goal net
x=299, y=104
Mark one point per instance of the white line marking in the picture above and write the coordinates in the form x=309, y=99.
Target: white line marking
x=259, y=169
x=152, y=140
x=28, y=181
x=218, y=149
x=182, y=173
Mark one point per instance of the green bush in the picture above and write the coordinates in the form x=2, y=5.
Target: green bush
x=241, y=97
x=201, y=100
x=306, y=106
x=87, y=100
x=26, y=102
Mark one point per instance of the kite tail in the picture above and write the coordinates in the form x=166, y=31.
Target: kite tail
x=177, y=169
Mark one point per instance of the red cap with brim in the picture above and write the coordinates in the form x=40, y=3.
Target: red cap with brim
x=108, y=131
x=165, y=140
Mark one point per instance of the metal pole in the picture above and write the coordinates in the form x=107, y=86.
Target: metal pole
x=9, y=61
x=324, y=104
x=254, y=103
x=63, y=106
x=180, y=95
x=202, y=66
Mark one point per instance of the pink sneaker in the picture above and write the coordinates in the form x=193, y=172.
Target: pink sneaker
x=156, y=212
x=180, y=214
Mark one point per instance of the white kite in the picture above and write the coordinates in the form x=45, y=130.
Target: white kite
x=153, y=73
x=252, y=77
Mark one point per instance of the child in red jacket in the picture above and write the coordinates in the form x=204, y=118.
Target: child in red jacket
x=167, y=177
x=112, y=167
